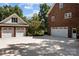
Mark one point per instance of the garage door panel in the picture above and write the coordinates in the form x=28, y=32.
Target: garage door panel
x=6, y=35
x=61, y=32
x=20, y=32
x=6, y=32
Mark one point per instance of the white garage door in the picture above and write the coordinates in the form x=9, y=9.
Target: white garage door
x=20, y=32
x=59, y=31
x=6, y=32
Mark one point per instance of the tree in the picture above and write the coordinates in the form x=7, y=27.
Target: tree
x=6, y=11
x=35, y=24
x=42, y=14
x=18, y=11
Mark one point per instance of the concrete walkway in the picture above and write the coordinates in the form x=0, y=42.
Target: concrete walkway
x=39, y=46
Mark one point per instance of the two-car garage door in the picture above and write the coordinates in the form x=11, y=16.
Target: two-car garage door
x=59, y=31
x=8, y=32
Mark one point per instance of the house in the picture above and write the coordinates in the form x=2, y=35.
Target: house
x=13, y=26
x=63, y=20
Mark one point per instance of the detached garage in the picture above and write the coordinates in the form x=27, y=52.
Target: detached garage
x=13, y=26
x=59, y=31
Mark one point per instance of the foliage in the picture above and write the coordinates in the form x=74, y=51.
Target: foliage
x=38, y=23
x=35, y=26
x=42, y=15
x=6, y=11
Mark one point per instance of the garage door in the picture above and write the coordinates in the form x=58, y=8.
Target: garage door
x=59, y=31
x=6, y=32
x=20, y=32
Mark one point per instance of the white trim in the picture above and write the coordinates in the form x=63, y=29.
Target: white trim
x=50, y=9
x=74, y=34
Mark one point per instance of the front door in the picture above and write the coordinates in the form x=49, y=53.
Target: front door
x=74, y=33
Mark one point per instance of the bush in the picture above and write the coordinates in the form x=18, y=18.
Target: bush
x=39, y=33
x=35, y=33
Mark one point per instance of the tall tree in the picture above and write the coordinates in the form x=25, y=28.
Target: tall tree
x=35, y=24
x=6, y=11
x=18, y=11
x=42, y=14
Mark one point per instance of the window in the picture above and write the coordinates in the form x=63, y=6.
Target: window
x=4, y=28
x=67, y=15
x=14, y=20
x=18, y=28
x=9, y=28
x=52, y=18
x=60, y=5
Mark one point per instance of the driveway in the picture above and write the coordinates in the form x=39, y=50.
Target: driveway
x=39, y=46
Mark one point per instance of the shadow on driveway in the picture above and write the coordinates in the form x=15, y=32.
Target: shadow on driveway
x=49, y=47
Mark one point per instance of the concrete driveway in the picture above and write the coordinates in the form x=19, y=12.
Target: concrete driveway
x=39, y=46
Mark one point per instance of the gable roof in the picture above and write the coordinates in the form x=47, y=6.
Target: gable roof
x=11, y=16
x=51, y=8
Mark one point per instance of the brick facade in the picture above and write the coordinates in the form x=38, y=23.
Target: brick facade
x=59, y=20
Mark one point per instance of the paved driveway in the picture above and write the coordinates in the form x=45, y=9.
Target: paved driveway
x=39, y=46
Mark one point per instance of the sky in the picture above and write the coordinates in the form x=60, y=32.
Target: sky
x=28, y=8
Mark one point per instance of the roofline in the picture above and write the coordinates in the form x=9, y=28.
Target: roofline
x=13, y=25
x=11, y=15
x=50, y=9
